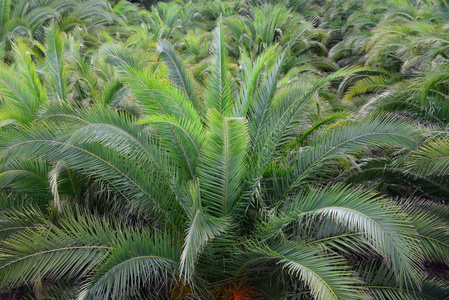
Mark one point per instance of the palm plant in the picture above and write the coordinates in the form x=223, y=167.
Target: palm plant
x=210, y=194
x=264, y=26
x=28, y=19
x=194, y=168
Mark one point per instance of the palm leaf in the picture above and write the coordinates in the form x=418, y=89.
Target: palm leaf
x=183, y=137
x=432, y=228
x=26, y=176
x=370, y=84
x=54, y=52
x=202, y=228
x=16, y=219
x=113, y=92
x=372, y=132
x=38, y=17
x=382, y=284
x=157, y=95
x=383, y=225
x=138, y=260
x=252, y=78
x=432, y=158
x=135, y=186
x=178, y=72
x=20, y=102
x=218, y=94
x=324, y=274
x=28, y=72
x=221, y=167
x=5, y=10
x=50, y=252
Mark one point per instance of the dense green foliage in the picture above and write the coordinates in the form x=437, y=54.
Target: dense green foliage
x=241, y=149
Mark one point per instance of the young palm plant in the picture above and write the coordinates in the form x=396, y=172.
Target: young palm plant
x=213, y=194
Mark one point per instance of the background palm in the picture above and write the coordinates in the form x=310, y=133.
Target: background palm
x=208, y=181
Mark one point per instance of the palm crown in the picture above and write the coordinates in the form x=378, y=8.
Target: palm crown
x=170, y=181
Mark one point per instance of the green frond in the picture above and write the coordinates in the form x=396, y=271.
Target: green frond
x=219, y=94
x=222, y=163
x=16, y=219
x=157, y=95
x=434, y=292
x=202, y=228
x=132, y=180
x=280, y=116
x=137, y=260
x=431, y=158
x=5, y=11
x=278, y=125
x=432, y=228
x=381, y=284
x=38, y=17
x=183, y=137
x=390, y=177
x=53, y=253
x=63, y=113
x=61, y=5
x=382, y=223
x=20, y=103
x=109, y=128
x=252, y=77
x=257, y=113
x=178, y=73
x=17, y=28
x=113, y=92
x=25, y=176
x=367, y=85
x=404, y=97
x=69, y=23
x=54, y=53
x=373, y=132
x=318, y=124
x=437, y=75
x=28, y=72
x=324, y=274
x=117, y=56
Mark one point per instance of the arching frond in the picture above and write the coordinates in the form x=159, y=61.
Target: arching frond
x=105, y=163
x=25, y=176
x=371, y=132
x=432, y=228
x=157, y=95
x=183, y=137
x=178, y=73
x=50, y=252
x=113, y=92
x=252, y=77
x=382, y=284
x=432, y=158
x=325, y=275
x=136, y=261
x=16, y=219
x=379, y=221
x=20, y=103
